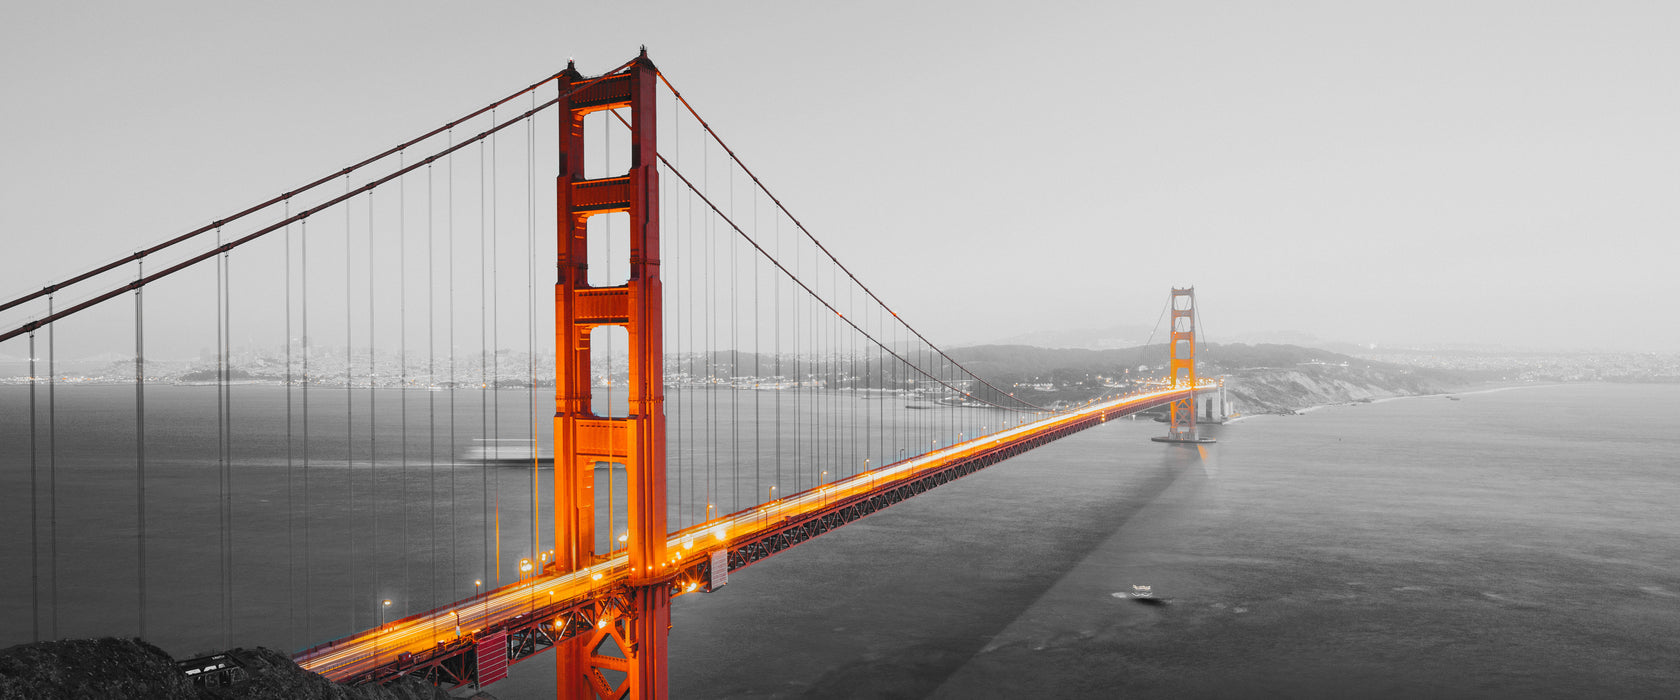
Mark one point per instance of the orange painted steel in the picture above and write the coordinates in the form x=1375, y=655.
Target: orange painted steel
x=585, y=606
x=608, y=613
x=1181, y=425
x=584, y=437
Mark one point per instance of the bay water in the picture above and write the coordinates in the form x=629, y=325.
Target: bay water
x=1512, y=543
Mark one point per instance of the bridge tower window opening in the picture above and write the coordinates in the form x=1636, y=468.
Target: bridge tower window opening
x=609, y=249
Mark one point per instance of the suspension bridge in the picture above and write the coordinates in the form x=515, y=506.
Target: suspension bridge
x=395, y=501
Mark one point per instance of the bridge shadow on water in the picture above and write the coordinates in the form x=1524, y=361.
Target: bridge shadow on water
x=907, y=597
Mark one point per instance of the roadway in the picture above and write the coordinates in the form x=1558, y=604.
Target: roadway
x=418, y=634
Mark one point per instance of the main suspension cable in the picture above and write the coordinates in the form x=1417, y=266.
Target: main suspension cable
x=287, y=196
x=306, y=213
x=825, y=303
x=818, y=243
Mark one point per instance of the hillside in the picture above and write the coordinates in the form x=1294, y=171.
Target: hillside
x=1265, y=378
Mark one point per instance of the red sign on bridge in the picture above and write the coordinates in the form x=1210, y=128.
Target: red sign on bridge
x=492, y=653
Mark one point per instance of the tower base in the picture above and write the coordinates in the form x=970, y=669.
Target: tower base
x=1185, y=440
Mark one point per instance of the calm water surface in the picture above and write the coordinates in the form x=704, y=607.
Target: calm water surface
x=1517, y=543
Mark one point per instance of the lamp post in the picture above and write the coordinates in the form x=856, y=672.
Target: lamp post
x=379, y=637
x=525, y=570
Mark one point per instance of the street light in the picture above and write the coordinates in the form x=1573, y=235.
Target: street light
x=476, y=585
x=379, y=636
x=525, y=567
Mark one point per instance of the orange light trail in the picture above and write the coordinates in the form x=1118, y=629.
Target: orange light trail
x=366, y=651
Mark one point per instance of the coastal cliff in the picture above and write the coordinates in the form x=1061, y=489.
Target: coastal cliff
x=1287, y=390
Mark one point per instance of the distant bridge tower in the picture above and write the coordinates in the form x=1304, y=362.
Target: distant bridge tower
x=624, y=655
x=1181, y=421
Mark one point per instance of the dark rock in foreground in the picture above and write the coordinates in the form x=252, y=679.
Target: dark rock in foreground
x=131, y=668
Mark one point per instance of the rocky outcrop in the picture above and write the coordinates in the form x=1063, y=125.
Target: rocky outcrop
x=131, y=668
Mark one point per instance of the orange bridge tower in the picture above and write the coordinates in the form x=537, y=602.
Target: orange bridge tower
x=1181, y=421
x=624, y=655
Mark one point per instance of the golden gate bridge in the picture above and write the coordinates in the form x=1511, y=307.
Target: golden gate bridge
x=724, y=389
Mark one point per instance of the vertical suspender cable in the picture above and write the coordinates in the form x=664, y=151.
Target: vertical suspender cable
x=140, y=439
x=431, y=376
x=689, y=274
x=402, y=374
x=227, y=460
x=822, y=402
x=495, y=362
x=697, y=514
x=373, y=425
x=303, y=303
x=776, y=347
x=531, y=317
x=671, y=276
x=221, y=437
x=711, y=354
x=34, y=509
x=52, y=478
x=734, y=359
x=758, y=372
x=483, y=376
x=798, y=382
x=291, y=603
x=449, y=261
x=349, y=420
x=303, y=299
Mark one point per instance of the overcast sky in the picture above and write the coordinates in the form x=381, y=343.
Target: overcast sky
x=1398, y=173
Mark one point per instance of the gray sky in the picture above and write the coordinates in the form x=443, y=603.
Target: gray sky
x=1492, y=173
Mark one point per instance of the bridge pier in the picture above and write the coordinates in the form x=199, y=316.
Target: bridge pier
x=1214, y=406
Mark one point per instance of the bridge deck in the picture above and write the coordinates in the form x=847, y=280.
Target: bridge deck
x=547, y=609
